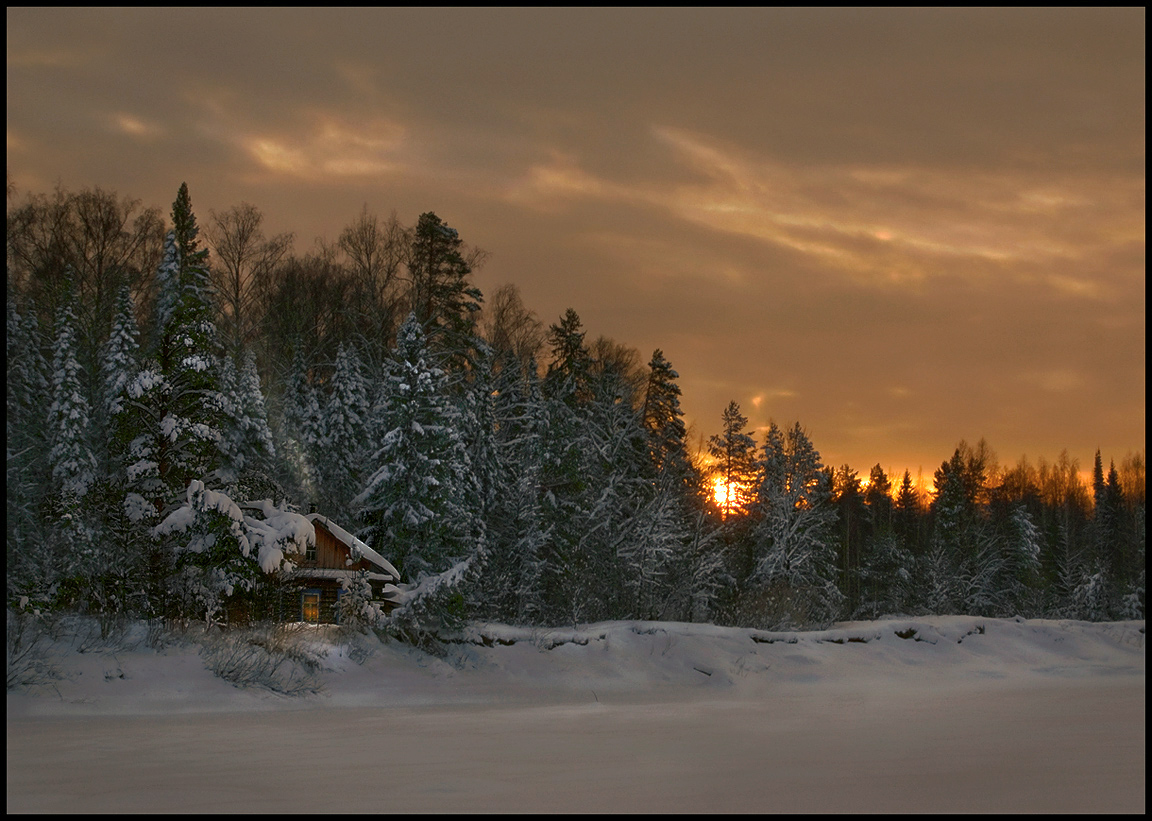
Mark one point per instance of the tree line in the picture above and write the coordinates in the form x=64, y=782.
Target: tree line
x=177, y=396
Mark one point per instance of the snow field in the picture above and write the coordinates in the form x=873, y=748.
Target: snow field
x=964, y=714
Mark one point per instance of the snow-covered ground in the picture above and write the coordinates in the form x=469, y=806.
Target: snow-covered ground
x=933, y=714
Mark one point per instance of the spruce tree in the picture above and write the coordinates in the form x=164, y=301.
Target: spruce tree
x=344, y=436
x=795, y=542
x=191, y=405
x=733, y=453
x=120, y=361
x=299, y=431
x=626, y=539
x=517, y=534
x=70, y=522
x=567, y=491
x=444, y=301
x=120, y=587
x=414, y=505
x=27, y=554
x=248, y=446
x=69, y=415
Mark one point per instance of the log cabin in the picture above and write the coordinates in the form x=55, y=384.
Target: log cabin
x=337, y=556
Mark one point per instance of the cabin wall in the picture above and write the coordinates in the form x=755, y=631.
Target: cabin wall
x=331, y=553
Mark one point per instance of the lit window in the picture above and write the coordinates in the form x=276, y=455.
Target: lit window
x=310, y=606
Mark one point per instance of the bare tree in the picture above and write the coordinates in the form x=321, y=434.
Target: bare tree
x=105, y=240
x=509, y=326
x=376, y=251
x=610, y=356
x=113, y=242
x=244, y=261
x=306, y=307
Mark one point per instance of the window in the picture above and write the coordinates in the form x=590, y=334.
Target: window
x=310, y=606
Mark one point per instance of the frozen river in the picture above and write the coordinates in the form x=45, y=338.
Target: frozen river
x=828, y=742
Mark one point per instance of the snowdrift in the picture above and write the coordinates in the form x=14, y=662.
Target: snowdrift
x=631, y=661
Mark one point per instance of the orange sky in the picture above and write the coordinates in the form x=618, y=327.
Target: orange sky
x=901, y=228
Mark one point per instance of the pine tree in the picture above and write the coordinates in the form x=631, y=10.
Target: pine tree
x=795, y=542
x=414, y=504
x=120, y=361
x=906, y=512
x=175, y=405
x=443, y=300
x=886, y=571
x=734, y=454
x=668, y=520
x=118, y=588
x=299, y=431
x=517, y=534
x=626, y=542
x=952, y=540
x=70, y=521
x=28, y=476
x=568, y=373
x=185, y=230
x=1022, y=562
x=191, y=405
x=662, y=415
x=344, y=434
x=847, y=495
x=248, y=442
x=565, y=483
x=667, y=434
x=69, y=417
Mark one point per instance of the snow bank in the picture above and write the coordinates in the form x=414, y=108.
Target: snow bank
x=624, y=660
x=903, y=715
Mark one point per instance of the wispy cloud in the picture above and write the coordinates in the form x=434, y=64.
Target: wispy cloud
x=136, y=127
x=327, y=147
x=878, y=225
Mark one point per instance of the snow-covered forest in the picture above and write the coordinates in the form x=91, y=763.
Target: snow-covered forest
x=182, y=390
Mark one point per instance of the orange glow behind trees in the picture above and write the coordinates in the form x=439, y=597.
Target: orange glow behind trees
x=731, y=497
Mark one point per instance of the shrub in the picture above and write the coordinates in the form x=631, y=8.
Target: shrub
x=278, y=658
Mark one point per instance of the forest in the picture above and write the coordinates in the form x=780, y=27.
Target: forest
x=180, y=391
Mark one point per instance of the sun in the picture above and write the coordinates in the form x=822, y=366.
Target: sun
x=730, y=497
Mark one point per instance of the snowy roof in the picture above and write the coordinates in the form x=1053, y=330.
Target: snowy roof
x=354, y=544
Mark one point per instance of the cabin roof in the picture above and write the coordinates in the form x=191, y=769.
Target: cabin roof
x=355, y=545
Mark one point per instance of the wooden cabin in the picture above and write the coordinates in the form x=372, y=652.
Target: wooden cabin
x=338, y=555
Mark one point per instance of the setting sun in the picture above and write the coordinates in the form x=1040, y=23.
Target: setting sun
x=730, y=497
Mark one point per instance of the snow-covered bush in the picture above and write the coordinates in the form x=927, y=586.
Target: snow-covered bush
x=280, y=659
x=434, y=605
x=30, y=651
x=1090, y=598
x=355, y=607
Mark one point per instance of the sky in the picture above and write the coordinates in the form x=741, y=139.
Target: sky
x=900, y=228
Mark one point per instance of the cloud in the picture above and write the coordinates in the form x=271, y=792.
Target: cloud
x=881, y=226
x=890, y=224
x=329, y=147
x=136, y=127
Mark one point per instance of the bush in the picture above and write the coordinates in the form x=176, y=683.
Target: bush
x=278, y=658
x=30, y=652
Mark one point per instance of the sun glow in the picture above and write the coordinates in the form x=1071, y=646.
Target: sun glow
x=730, y=497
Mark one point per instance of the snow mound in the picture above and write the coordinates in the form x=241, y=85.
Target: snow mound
x=629, y=661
